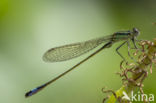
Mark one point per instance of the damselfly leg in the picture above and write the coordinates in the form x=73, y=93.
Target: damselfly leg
x=117, y=50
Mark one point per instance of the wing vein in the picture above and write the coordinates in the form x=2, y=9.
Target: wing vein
x=74, y=50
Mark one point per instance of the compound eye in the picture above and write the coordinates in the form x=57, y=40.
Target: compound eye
x=136, y=31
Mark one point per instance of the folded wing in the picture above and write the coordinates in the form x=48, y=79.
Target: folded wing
x=70, y=51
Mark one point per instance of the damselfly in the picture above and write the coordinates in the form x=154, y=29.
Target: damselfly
x=70, y=51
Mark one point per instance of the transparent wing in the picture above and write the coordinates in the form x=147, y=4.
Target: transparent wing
x=70, y=51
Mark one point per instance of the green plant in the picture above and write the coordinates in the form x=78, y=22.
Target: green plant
x=133, y=74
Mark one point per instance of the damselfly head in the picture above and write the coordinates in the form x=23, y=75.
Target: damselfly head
x=136, y=32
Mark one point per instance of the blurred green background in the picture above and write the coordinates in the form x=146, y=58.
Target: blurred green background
x=30, y=27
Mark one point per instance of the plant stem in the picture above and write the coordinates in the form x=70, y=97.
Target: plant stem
x=139, y=72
